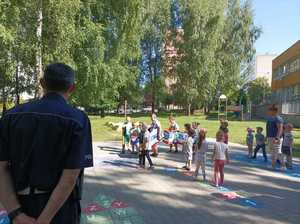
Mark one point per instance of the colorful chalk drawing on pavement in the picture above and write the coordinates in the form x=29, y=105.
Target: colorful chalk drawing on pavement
x=236, y=197
x=240, y=197
x=3, y=217
x=107, y=210
x=260, y=163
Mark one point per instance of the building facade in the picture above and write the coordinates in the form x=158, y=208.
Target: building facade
x=263, y=66
x=286, y=82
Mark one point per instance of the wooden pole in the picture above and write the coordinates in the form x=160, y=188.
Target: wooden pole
x=125, y=109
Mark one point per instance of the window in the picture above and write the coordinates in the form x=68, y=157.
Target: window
x=289, y=67
x=290, y=98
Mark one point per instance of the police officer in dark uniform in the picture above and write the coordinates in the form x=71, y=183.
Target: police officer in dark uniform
x=44, y=147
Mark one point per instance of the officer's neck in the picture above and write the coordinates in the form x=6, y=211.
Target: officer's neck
x=64, y=95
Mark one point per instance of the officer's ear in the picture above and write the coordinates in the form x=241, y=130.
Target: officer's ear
x=71, y=89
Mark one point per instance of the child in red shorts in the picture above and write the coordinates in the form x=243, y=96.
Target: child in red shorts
x=220, y=157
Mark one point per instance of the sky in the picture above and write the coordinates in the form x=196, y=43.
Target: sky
x=280, y=23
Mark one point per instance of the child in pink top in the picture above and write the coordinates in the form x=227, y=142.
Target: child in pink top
x=220, y=157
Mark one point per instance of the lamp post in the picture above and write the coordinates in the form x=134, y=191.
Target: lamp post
x=222, y=98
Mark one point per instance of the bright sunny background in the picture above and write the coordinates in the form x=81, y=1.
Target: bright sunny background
x=280, y=22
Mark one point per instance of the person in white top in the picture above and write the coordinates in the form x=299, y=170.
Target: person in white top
x=200, y=156
x=174, y=127
x=146, y=147
x=188, y=147
x=126, y=129
x=155, y=124
x=220, y=157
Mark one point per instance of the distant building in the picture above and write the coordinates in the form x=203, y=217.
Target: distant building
x=263, y=67
x=286, y=83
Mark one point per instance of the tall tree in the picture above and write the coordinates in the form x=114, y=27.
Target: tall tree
x=156, y=17
x=202, y=25
x=234, y=56
x=107, y=52
x=7, y=38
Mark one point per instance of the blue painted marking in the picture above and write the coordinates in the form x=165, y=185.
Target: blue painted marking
x=170, y=169
x=4, y=220
x=223, y=189
x=297, y=175
x=295, y=172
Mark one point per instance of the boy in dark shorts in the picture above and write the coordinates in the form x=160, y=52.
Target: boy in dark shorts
x=260, y=143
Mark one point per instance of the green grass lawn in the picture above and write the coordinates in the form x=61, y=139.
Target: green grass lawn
x=237, y=129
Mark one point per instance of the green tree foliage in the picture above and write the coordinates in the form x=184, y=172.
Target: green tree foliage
x=218, y=43
x=105, y=41
x=202, y=25
x=99, y=38
x=235, y=55
x=258, y=90
x=7, y=39
x=107, y=52
x=156, y=22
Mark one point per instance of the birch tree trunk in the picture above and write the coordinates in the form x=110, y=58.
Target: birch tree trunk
x=39, y=63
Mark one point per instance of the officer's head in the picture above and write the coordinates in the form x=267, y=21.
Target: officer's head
x=273, y=110
x=60, y=78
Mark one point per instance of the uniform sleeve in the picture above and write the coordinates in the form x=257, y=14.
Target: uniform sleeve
x=80, y=152
x=279, y=120
x=3, y=145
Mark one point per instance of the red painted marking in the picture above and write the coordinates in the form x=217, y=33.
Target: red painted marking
x=118, y=204
x=92, y=208
x=188, y=173
x=229, y=195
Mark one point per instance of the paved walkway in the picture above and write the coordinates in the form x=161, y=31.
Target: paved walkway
x=117, y=192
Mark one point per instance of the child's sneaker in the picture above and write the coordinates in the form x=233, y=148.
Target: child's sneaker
x=283, y=169
x=151, y=167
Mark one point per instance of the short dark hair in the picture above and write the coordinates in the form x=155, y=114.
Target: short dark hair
x=260, y=128
x=58, y=77
x=273, y=108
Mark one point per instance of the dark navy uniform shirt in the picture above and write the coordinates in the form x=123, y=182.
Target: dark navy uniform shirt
x=42, y=138
x=271, y=127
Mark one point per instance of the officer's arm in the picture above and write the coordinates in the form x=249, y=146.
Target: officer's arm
x=280, y=129
x=60, y=194
x=8, y=197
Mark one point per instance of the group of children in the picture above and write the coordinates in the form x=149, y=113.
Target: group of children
x=195, y=145
x=286, y=148
x=137, y=138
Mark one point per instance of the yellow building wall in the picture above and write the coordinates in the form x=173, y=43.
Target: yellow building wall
x=289, y=80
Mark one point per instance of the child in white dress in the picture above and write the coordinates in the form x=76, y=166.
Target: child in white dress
x=200, y=156
x=188, y=147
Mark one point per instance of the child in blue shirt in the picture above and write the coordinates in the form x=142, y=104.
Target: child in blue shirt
x=260, y=143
